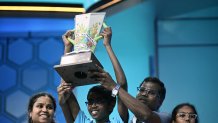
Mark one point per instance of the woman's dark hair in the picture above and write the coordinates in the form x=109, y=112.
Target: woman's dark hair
x=33, y=100
x=176, y=109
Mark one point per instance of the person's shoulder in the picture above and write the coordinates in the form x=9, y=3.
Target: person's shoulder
x=165, y=117
x=82, y=118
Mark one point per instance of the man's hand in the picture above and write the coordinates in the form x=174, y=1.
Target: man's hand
x=103, y=78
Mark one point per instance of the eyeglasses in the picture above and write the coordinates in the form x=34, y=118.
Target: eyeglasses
x=96, y=101
x=149, y=92
x=183, y=115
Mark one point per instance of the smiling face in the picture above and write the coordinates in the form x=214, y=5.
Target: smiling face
x=98, y=107
x=185, y=115
x=42, y=110
x=149, y=95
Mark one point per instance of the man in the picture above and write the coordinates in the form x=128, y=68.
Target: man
x=147, y=102
x=151, y=92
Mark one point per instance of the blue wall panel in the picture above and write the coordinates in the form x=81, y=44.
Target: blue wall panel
x=187, y=32
x=188, y=63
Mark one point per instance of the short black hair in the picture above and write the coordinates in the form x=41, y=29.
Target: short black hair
x=33, y=100
x=155, y=80
x=176, y=109
x=104, y=93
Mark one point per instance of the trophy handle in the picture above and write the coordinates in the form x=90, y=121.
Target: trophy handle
x=73, y=35
x=105, y=25
x=99, y=37
x=70, y=40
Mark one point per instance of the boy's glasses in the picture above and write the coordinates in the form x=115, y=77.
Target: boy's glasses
x=183, y=115
x=95, y=101
x=149, y=92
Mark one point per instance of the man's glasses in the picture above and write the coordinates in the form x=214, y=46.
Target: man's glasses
x=95, y=101
x=183, y=115
x=149, y=92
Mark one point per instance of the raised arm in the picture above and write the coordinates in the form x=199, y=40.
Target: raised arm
x=64, y=91
x=140, y=110
x=74, y=105
x=120, y=76
x=70, y=112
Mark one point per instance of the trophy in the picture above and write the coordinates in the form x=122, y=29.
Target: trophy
x=75, y=65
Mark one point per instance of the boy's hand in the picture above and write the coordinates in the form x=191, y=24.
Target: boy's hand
x=64, y=91
x=66, y=36
x=107, y=34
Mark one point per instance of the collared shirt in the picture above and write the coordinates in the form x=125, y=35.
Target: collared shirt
x=164, y=117
x=82, y=118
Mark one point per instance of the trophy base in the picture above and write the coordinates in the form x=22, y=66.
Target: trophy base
x=74, y=68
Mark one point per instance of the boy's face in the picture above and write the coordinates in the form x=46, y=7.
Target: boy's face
x=98, y=107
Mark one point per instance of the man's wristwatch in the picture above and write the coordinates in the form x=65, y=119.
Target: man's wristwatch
x=115, y=90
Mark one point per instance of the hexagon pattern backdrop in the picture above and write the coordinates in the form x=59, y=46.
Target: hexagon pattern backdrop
x=26, y=67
